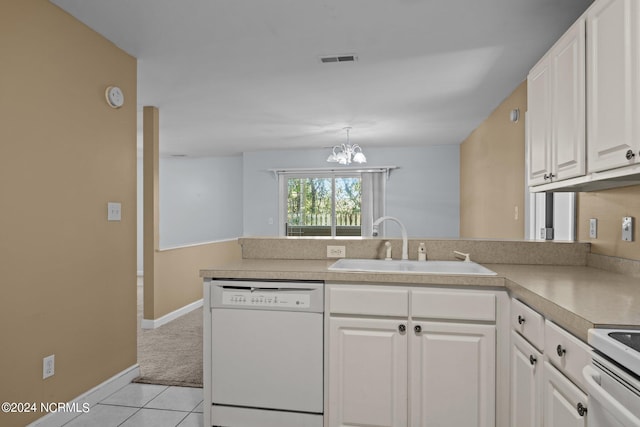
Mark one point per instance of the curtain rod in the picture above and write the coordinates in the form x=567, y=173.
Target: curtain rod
x=286, y=171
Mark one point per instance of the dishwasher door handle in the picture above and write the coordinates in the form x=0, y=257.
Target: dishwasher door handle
x=595, y=391
x=260, y=289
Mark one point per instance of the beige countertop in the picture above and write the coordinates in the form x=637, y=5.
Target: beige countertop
x=575, y=297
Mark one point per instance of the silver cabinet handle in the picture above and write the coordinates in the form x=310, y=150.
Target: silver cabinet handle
x=417, y=329
x=521, y=320
x=402, y=328
x=561, y=351
x=532, y=359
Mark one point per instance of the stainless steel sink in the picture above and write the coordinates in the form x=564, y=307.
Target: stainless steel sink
x=415, y=267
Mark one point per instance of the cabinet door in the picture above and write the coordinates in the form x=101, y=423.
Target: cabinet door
x=452, y=374
x=539, y=123
x=568, y=114
x=526, y=383
x=612, y=83
x=367, y=372
x=561, y=400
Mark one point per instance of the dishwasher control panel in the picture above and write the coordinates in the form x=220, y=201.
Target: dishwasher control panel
x=265, y=299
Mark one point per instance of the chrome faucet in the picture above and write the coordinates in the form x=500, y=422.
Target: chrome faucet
x=405, y=244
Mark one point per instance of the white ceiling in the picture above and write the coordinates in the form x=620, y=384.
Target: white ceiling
x=230, y=76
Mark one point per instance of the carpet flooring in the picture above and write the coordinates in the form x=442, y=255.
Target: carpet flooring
x=172, y=353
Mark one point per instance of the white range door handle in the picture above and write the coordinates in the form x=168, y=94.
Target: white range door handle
x=595, y=391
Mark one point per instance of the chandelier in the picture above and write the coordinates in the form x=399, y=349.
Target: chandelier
x=347, y=153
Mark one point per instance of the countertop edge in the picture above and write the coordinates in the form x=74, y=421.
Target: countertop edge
x=316, y=270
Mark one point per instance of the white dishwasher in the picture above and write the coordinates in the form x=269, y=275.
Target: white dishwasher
x=263, y=362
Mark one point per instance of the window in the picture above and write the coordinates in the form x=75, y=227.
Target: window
x=324, y=206
x=330, y=203
x=556, y=211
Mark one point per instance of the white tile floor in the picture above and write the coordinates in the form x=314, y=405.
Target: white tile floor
x=141, y=405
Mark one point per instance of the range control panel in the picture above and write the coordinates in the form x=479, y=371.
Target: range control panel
x=265, y=299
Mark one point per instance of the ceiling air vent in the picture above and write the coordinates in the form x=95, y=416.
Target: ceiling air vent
x=338, y=58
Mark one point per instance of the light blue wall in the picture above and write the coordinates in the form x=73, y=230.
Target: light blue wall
x=214, y=198
x=200, y=200
x=424, y=193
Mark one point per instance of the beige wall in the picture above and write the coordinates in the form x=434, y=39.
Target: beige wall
x=177, y=281
x=609, y=207
x=492, y=174
x=492, y=182
x=67, y=276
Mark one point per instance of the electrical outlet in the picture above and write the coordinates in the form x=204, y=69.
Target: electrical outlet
x=336, y=252
x=48, y=366
x=593, y=228
x=627, y=229
x=546, y=234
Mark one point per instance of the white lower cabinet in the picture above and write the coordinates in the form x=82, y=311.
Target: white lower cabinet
x=562, y=400
x=367, y=372
x=417, y=369
x=565, y=404
x=546, y=385
x=526, y=383
x=452, y=374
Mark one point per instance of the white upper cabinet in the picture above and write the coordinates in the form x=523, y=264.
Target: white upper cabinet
x=556, y=110
x=568, y=94
x=613, y=83
x=539, y=122
x=583, y=118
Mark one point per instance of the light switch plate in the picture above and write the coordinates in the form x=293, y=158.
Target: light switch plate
x=114, y=211
x=48, y=366
x=593, y=228
x=627, y=229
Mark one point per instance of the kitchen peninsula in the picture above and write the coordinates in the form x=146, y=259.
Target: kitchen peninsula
x=557, y=282
x=556, y=278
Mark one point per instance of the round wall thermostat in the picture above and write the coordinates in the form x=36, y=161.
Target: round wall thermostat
x=115, y=97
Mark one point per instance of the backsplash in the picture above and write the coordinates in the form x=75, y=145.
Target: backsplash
x=628, y=267
x=608, y=207
x=482, y=251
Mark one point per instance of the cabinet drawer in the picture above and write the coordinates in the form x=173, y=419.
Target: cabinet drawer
x=566, y=352
x=345, y=299
x=528, y=323
x=451, y=305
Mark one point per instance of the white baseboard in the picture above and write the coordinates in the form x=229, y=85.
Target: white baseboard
x=152, y=324
x=92, y=397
